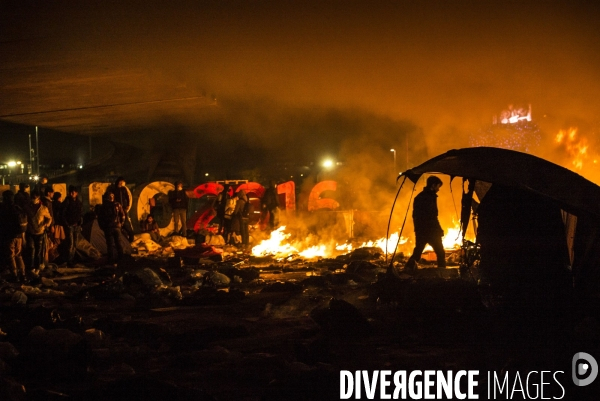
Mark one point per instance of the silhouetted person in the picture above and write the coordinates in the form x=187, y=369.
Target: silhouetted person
x=47, y=201
x=42, y=184
x=71, y=217
x=247, y=210
x=59, y=230
x=270, y=204
x=111, y=217
x=230, y=202
x=56, y=207
x=178, y=200
x=221, y=204
x=236, y=217
x=13, y=224
x=122, y=197
x=22, y=196
x=427, y=227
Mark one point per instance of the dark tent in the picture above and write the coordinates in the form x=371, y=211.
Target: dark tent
x=94, y=234
x=538, y=223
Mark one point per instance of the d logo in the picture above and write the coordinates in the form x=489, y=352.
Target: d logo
x=584, y=365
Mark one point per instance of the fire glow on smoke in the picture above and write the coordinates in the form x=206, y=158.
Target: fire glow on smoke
x=576, y=146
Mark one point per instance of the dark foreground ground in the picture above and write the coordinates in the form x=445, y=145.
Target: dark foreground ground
x=153, y=329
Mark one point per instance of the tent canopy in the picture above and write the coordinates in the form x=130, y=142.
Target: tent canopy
x=516, y=169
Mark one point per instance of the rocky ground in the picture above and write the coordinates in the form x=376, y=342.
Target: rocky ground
x=247, y=328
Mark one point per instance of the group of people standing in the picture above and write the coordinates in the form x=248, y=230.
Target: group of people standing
x=234, y=211
x=179, y=202
x=34, y=223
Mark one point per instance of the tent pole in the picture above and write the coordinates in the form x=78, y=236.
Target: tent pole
x=387, y=234
x=402, y=228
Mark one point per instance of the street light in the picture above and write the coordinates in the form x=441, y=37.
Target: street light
x=394, y=150
x=328, y=163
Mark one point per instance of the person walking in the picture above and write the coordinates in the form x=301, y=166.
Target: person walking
x=427, y=226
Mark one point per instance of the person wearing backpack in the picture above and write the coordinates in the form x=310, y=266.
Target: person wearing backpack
x=13, y=224
x=111, y=217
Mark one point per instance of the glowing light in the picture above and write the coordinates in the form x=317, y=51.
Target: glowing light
x=35, y=177
x=328, y=163
x=12, y=163
x=206, y=174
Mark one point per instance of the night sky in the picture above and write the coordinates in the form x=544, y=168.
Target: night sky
x=301, y=80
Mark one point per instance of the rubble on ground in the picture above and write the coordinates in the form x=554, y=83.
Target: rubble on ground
x=211, y=322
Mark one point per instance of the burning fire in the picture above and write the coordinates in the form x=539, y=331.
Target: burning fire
x=452, y=239
x=576, y=147
x=280, y=246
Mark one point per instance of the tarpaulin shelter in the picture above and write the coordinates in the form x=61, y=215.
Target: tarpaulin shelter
x=536, y=219
x=92, y=232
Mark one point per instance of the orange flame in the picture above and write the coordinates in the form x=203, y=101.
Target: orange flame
x=577, y=148
x=281, y=246
x=452, y=239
